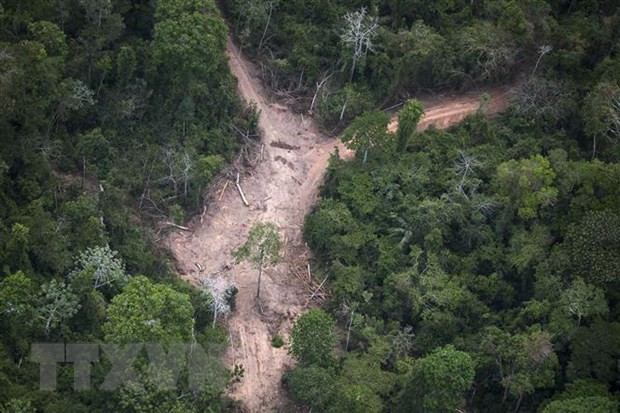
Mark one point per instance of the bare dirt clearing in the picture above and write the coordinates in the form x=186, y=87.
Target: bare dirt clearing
x=281, y=189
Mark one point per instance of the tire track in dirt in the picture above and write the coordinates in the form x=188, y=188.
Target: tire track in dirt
x=282, y=191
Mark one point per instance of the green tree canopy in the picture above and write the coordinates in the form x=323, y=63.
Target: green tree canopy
x=437, y=382
x=57, y=304
x=367, y=131
x=100, y=266
x=594, y=404
x=524, y=361
x=146, y=311
x=261, y=249
x=528, y=183
x=408, y=117
x=595, y=352
x=313, y=339
x=601, y=113
x=594, y=247
x=583, y=396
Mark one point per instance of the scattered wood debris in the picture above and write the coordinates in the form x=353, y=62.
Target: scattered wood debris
x=302, y=272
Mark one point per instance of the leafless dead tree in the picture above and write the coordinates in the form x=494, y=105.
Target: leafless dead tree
x=359, y=33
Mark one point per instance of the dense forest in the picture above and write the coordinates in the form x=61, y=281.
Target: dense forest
x=475, y=269
x=115, y=115
x=354, y=55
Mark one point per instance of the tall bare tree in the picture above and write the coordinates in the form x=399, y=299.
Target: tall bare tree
x=358, y=34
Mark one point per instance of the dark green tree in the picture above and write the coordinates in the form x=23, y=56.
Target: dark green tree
x=313, y=339
x=438, y=381
x=594, y=247
x=408, y=118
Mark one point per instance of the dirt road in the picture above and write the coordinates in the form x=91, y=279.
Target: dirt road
x=281, y=189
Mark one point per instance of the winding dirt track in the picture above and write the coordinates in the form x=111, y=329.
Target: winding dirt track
x=281, y=189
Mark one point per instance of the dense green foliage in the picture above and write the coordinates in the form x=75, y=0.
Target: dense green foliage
x=313, y=339
x=472, y=240
x=114, y=113
x=438, y=381
x=150, y=313
x=402, y=47
x=475, y=268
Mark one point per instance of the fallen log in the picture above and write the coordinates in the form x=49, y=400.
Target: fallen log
x=223, y=190
x=284, y=145
x=204, y=211
x=172, y=224
x=245, y=202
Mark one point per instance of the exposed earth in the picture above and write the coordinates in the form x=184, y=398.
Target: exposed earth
x=280, y=189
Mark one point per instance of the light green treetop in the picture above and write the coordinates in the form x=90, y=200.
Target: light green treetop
x=262, y=248
x=146, y=311
x=528, y=183
x=101, y=266
x=367, y=131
